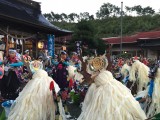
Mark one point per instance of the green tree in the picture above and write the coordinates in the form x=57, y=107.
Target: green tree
x=84, y=32
x=64, y=17
x=108, y=10
x=148, y=11
x=72, y=17
x=138, y=9
x=84, y=16
x=48, y=16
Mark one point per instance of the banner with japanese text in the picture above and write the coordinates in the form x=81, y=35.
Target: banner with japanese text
x=51, y=45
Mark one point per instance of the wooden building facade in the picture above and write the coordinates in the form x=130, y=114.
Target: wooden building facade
x=146, y=44
x=23, y=25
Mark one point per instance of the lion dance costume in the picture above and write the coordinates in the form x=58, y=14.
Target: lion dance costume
x=35, y=102
x=107, y=98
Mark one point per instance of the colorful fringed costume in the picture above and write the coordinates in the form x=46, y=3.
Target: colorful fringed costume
x=155, y=105
x=125, y=73
x=107, y=98
x=142, y=71
x=35, y=102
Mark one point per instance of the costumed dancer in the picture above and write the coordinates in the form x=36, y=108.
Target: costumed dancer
x=139, y=74
x=26, y=59
x=26, y=56
x=13, y=76
x=35, y=66
x=61, y=71
x=60, y=75
x=125, y=73
x=107, y=98
x=78, y=92
x=150, y=98
x=75, y=61
x=35, y=101
x=154, y=94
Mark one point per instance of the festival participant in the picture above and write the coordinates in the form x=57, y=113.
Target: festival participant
x=150, y=98
x=18, y=54
x=153, y=93
x=44, y=54
x=26, y=59
x=26, y=56
x=61, y=71
x=145, y=61
x=107, y=98
x=75, y=61
x=40, y=59
x=60, y=75
x=35, y=66
x=139, y=74
x=35, y=101
x=120, y=62
x=125, y=72
x=13, y=76
x=135, y=58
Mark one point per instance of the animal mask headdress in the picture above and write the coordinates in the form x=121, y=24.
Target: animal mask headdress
x=35, y=65
x=97, y=64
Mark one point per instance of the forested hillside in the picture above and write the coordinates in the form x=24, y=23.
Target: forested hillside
x=106, y=23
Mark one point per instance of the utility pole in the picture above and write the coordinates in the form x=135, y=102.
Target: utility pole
x=121, y=28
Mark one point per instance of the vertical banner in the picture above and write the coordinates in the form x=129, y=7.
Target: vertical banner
x=51, y=45
x=78, y=45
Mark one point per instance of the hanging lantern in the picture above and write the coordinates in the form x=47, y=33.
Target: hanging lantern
x=40, y=44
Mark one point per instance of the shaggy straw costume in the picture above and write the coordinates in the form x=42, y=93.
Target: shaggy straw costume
x=35, y=102
x=155, y=105
x=142, y=74
x=108, y=99
x=125, y=70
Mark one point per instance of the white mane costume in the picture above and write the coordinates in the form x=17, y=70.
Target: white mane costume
x=142, y=74
x=107, y=98
x=155, y=105
x=72, y=72
x=35, y=102
x=125, y=70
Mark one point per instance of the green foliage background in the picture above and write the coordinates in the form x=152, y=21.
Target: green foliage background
x=91, y=29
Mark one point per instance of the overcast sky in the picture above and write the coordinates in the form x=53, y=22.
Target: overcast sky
x=91, y=6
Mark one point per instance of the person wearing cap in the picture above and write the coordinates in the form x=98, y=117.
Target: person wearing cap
x=13, y=75
x=26, y=56
x=60, y=75
x=61, y=72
